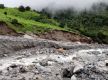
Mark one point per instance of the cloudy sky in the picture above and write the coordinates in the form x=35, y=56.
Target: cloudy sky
x=56, y=4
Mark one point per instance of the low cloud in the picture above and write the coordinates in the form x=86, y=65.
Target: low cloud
x=52, y=4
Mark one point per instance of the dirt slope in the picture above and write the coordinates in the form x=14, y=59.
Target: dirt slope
x=5, y=30
x=65, y=36
x=56, y=35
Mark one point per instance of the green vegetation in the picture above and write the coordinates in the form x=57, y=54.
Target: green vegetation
x=27, y=20
x=92, y=23
x=27, y=8
x=21, y=8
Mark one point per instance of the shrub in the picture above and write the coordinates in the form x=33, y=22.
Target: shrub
x=27, y=8
x=62, y=24
x=14, y=21
x=101, y=35
x=5, y=13
x=34, y=10
x=2, y=6
x=21, y=8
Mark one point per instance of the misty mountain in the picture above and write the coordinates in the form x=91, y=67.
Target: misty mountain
x=52, y=4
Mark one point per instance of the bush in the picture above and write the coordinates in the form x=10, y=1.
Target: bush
x=2, y=6
x=5, y=13
x=21, y=8
x=27, y=8
x=14, y=21
x=101, y=35
x=62, y=25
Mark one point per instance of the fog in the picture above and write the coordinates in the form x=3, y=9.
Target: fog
x=52, y=4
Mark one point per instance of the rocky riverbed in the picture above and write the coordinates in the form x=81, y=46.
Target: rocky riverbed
x=41, y=59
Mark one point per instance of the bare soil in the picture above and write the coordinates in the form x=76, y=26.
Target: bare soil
x=5, y=30
x=58, y=35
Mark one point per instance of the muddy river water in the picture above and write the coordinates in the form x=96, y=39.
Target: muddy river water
x=40, y=59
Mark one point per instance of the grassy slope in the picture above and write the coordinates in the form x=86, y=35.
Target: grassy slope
x=25, y=19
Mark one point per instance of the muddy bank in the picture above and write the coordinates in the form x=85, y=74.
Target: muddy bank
x=58, y=35
x=5, y=30
x=40, y=59
x=9, y=44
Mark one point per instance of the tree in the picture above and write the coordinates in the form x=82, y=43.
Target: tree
x=2, y=6
x=27, y=8
x=21, y=8
x=107, y=7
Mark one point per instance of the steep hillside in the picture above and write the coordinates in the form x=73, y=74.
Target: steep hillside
x=91, y=23
x=25, y=21
x=59, y=35
x=16, y=22
x=4, y=29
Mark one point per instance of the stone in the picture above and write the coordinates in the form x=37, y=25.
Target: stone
x=22, y=69
x=77, y=68
x=66, y=73
x=44, y=63
x=37, y=77
x=61, y=50
x=13, y=66
x=73, y=77
x=106, y=62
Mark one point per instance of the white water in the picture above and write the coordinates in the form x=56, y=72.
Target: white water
x=6, y=62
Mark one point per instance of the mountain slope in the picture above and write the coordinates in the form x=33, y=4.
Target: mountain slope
x=24, y=21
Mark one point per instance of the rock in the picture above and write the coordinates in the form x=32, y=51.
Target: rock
x=66, y=73
x=73, y=77
x=44, y=63
x=61, y=50
x=77, y=68
x=37, y=77
x=22, y=69
x=50, y=63
x=13, y=66
x=106, y=62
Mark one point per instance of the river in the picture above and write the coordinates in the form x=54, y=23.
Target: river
x=41, y=59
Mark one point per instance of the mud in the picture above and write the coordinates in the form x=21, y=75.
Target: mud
x=59, y=35
x=41, y=59
x=6, y=30
x=56, y=35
